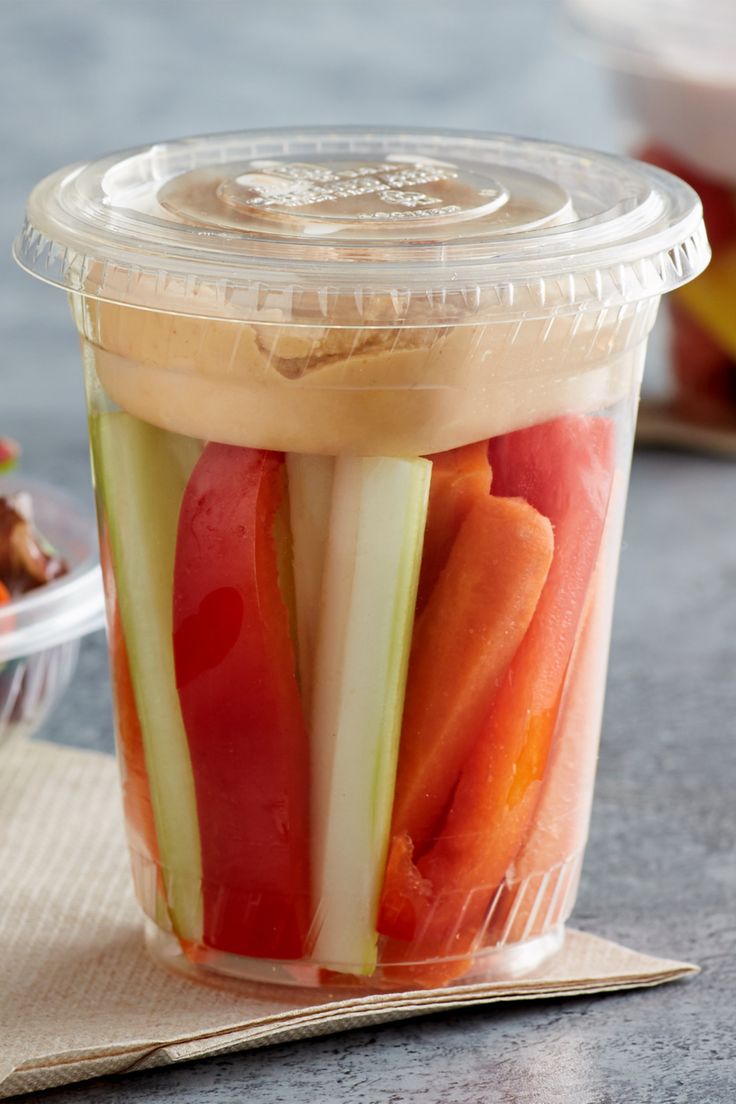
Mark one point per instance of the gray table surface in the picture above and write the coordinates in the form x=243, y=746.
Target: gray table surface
x=84, y=77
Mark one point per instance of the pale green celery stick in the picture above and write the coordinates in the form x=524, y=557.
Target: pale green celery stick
x=310, y=497
x=140, y=473
x=379, y=510
x=162, y=913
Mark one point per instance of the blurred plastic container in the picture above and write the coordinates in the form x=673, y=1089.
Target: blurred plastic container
x=40, y=632
x=674, y=66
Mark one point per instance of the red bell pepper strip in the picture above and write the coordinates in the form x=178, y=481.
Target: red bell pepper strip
x=564, y=469
x=459, y=478
x=546, y=869
x=235, y=671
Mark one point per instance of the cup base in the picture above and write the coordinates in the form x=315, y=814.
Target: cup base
x=252, y=975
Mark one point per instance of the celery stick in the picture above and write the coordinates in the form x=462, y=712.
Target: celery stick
x=140, y=473
x=379, y=509
x=310, y=497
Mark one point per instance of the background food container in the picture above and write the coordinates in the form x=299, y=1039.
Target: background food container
x=673, y=64
x=40, y=632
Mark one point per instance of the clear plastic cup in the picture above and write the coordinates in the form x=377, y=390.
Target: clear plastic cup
x=361, y=409
x=674, y=68
x=40, y=631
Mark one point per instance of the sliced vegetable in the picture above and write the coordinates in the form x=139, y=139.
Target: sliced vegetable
x=459, y=478
x=368, y=597
x=4, y=594
x=137, y=804
x=236, y=676
x=310, y=499
x=564, y=469
x=140, y=473
x=464, y=640
x=9, y=453
x=542, y=870
x=136, y=790
x=406, y=897
x=546, y=869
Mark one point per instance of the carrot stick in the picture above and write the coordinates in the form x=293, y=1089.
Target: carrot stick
x=565, y=469
x=459, y=478
x=136, y=791
x=468, y=634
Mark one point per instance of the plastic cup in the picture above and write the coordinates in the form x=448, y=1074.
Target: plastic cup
x=40, y=631
x=361, y=410
x=674, y=69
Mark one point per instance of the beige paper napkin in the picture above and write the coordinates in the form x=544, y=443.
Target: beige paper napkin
x=79, y=997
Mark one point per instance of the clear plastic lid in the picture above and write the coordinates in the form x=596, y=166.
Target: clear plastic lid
x=355, y=227
x=72, y=606
x=693, y=39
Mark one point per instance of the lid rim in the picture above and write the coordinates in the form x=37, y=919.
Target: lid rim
x=209, y=271
x=601, y=284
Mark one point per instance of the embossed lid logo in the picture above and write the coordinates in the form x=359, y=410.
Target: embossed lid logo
x=385, y=191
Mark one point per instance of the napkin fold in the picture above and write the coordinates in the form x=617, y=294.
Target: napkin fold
x=79, y=996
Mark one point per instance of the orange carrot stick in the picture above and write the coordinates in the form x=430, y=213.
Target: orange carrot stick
x=564, y=467
x=136, y=791
x=459, y=478
x=468, y=634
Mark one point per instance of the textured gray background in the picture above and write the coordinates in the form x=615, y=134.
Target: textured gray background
x=80, y=78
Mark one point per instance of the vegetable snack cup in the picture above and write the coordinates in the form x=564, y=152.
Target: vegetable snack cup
x=361, y=411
